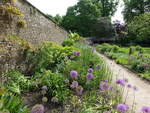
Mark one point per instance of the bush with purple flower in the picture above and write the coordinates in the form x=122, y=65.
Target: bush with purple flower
x=121, y=82
x=38, y=108
x=90, y=70
x=74, y=84
x=98, y=67
x=122, y=108
x=89, y=76
x=105, y=86
x=74, y=74
x=145, y=109
x=76, y=53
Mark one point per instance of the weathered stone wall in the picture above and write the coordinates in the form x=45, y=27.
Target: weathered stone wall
x=39, y=27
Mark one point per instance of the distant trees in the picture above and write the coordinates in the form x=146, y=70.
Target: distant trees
x=85, y=15
x=58, y=19
x=139, y=29
x=108, y=7
x=81, y=17
x=134, y=8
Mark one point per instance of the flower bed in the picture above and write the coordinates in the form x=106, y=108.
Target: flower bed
x=135, y=58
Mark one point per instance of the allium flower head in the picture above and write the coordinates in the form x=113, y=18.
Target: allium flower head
x=44, y=99
x=89, y=76
x=79, y=90
x=145, y=109
x=121, y=82
x=104, y=86
x=98, y=67
x=44, y=88
x=74, y=84
x=73, y=74
x=129, y=86
x=122, y=108
x=76, y=53
x=90, y=70
x=38, y=108
x=54, y=100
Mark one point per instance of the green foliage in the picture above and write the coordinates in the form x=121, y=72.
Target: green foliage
x=10, y=103
x=103, y=28
x=136, y=58
x=108, y=7
x=77, y=17
x=48, y=55
x=139, y=29
x=88, y=59
x=134, y=8
x=17, y=82
x=72, y=39
x=55, y=83
x=58, y=19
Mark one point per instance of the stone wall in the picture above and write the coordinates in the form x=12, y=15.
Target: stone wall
x=39, y=27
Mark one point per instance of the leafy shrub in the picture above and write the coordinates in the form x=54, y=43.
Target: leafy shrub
x=68, y=42
x=10, y=103
x=17, y=82
x=88, y=59
x=72, y=39
x=139, y=29
x=48, y=56
x=55, y=83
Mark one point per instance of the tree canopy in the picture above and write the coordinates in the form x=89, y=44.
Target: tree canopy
x=81, y=17
x=134, y=8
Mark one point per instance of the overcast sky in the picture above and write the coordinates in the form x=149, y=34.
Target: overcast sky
x=54, y=7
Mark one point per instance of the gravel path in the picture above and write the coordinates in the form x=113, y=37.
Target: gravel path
x=142, y=95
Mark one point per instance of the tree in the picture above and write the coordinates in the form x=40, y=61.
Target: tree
x=108, y=7
x=103, y=28
x=81, y=17
x=57, y=19
x=139, y=29
x=134, y=8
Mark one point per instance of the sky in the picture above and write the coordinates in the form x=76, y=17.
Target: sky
x=54, y=7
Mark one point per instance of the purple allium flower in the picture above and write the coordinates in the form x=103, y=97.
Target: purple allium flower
x=74, y=84
x=76, y=53
x=79, y=90
x=89, y=76
x=123, y=108
x=38, y=108
x=106, y=81
x=145, y=109
x=104, y=86
x=90, y=70
x=73, y=74
x=121, y=82
x=98, y=67
x=44, y=88
x=129, y=86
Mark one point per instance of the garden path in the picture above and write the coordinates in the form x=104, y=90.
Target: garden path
x=142, y=95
